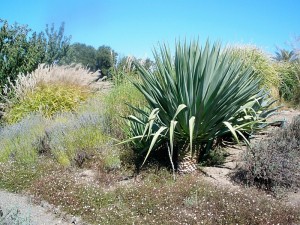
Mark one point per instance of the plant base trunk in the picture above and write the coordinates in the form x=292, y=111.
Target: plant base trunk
x=187, y=165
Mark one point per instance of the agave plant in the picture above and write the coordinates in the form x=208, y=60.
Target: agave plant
x=197, y=96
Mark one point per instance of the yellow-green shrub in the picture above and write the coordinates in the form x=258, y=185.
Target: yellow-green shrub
x=47, y=99
x=289, y=88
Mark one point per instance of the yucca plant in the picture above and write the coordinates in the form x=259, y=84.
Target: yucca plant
x=194, y=98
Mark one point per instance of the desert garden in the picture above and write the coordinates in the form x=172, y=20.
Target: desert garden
x=207, y=135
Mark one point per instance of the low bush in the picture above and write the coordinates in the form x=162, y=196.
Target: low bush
x=214, y=157
x=71, y=138
x=75, y=137
x=273, y=163
x=19, y=141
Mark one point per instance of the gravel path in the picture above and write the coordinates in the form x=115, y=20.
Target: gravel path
x=42, y=214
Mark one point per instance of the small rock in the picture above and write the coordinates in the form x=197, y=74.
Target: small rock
x=75, y=220
x=45, y=205
x=56, y=210
x=87, y=173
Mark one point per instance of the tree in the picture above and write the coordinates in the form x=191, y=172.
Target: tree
x=106, y=59
x=19, y=52
x=22, y=51
x=57, y=44
x=296, y=47
x=147, y=63
x=285, y=55
x=82, y=54
x=103, y=59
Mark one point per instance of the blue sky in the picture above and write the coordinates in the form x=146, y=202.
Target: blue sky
x=135, y=26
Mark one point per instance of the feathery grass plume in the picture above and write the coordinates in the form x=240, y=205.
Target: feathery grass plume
x=72, y=75
x=49, y=89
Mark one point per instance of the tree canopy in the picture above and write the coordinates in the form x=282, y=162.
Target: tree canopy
x=103, y=58
x=21, y=51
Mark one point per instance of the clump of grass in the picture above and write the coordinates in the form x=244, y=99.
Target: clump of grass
x=214, y=157
x=111, y=158
x=47, y=99
x=73, y=75
x=49, y=89
x=274, y=163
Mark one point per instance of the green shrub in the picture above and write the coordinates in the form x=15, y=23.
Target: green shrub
x=194, y=98
x=214, y=157
x=72, y=136
x=116, y=107
x=274, y=162
x=22, y=50
x=18, y=141
x=110, y=157
x=68, y=137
